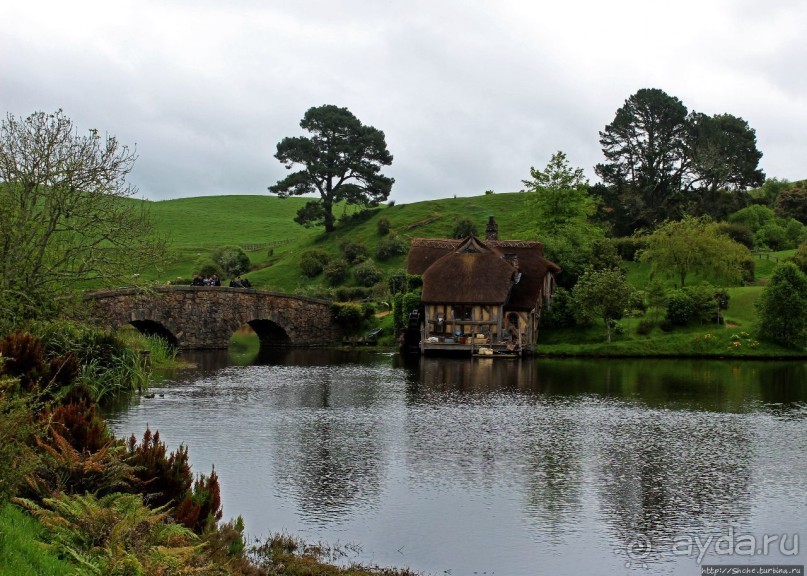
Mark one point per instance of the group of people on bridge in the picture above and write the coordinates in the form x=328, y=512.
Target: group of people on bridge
x=213, y=280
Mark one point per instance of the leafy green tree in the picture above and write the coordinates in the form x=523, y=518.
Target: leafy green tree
x=65, y=218
x=557, y=198
x=694, y=245
x=559, y=195
x=782, y=308
x=341, y=162
x=603, y=294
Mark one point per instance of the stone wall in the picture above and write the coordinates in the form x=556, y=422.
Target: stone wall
x=205, y=317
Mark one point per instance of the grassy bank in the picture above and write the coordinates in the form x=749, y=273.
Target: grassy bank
x=22, y=551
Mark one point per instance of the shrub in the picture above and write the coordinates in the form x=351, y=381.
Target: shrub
x=800, y=257
x=771, y=235
x=116, y=534
x=80, y=424
x=398, y=320
x=19, y=432
x=753, y=217
x=368, y=274
x=390, y=246
x=644, y=328
x=411, y=301
x=313, y=261
x=205, y=267
x=680, y=308
x=336, y=271
x=348, y=293
x=628, y=246
x=348, y=316
x=604, y=254
x=231, y=259
x=792, y=203
x=164, y=479
x=383, y=226
x=463, y=229
x=559, y=312
x=354, y=252
x=738, y=232
x=782, y=308
x=23, y=358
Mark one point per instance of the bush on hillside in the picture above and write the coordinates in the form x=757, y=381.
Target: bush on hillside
x=313, y=261
x=205, y=267
x=383, y=226
x=336, y=271
x=463, y=229
x=740, y=233
x=232, y=260
x=354, y=252
x=390, y=246
x=367, y=274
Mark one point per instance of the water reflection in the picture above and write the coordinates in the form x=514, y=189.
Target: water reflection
x=497, y=465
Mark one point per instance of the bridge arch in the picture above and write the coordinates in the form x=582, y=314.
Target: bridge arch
x=206, y=317
x=155, y=328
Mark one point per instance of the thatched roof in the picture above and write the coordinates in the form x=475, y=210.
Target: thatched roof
x=474, y=272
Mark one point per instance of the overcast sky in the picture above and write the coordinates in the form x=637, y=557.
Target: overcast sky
x=469, y=94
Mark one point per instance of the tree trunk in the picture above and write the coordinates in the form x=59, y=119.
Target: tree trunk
x=327, y=213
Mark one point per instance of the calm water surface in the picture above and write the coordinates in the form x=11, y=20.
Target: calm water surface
x=503, y=467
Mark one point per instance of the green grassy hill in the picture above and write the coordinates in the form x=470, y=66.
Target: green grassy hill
x=196, y=226
x=264, y=226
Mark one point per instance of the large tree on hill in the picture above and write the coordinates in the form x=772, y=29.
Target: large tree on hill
x=646, y=152
x=341, y=162
x=663, y=162
x=65, y=215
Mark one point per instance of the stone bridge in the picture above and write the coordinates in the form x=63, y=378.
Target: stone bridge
x=204, y=317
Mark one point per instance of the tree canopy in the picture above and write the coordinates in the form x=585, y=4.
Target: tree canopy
x=65, y=214
x=663, y=162
x=341, y=162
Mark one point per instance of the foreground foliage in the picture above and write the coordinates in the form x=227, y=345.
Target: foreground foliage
x=64, y=215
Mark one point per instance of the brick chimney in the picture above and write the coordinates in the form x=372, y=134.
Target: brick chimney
x=492, y=229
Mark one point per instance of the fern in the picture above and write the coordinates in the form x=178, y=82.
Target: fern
x=117, y=534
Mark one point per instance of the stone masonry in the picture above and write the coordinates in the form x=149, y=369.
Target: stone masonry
x=205, y=317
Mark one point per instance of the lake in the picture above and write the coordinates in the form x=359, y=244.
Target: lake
x=510, y=467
